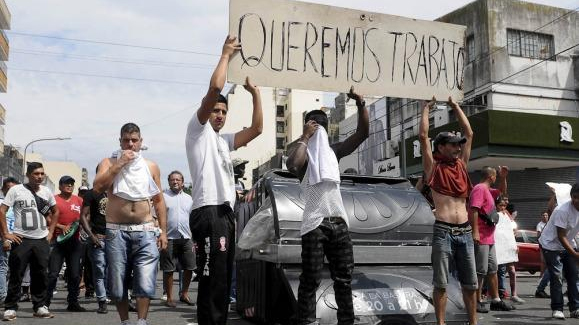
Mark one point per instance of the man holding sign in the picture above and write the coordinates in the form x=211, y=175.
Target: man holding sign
x=213, y=189
x=324, y=227
x=452, y=241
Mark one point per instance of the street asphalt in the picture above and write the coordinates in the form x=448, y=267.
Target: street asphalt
x=534, y=311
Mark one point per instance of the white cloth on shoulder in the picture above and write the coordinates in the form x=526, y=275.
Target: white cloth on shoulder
x=134, y=182
x=322, y=161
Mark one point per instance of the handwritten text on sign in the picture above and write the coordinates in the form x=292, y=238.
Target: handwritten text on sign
x=308, y=46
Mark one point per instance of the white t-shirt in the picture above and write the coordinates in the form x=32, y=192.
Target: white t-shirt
x=28, y=221
x=565, y=216
x=540, y=226
x=505, y=243
x=322, y=200
x=210, y=164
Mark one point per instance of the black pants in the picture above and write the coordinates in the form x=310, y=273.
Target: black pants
x=333, y=240
x=213, y=233
x=35, y=252
x=87, y=267
x=71, y=251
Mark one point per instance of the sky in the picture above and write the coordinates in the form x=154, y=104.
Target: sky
x=59, y=84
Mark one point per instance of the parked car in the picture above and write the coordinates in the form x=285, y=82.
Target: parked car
x=391, y=230
x=529, y=252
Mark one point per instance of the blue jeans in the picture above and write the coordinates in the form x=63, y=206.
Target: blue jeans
x=3, y=273
x=99, y=270
x=560, y=264
x=453, y=251
x=544, y=280
x=131, y=252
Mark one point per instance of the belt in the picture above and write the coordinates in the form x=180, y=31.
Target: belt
x=334, y=219
x=149, y=226
x=455, y=231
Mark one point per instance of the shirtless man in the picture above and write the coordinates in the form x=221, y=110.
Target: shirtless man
x=133, y=185
x=446, y=174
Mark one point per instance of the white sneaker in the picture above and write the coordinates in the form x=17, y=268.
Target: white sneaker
x=517, y=300
x=557, y=314
x=43, y=312
x=9, y=315
x=164, y=297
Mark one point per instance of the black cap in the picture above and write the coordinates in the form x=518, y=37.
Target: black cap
x=448, y=137
x=66, y=180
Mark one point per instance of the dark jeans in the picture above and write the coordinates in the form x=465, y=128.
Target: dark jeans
x=213, y=233
x=560, y=264
x=331, y=239
x=35, y=252
x=71, y=251
x=87, y=267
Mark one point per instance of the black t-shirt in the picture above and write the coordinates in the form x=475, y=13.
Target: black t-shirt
x=97, y=204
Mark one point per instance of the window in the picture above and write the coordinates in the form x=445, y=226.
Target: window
x=280, y=127
x=470, y=51
x=530, y=44
x=280, y=143
x=280, y=109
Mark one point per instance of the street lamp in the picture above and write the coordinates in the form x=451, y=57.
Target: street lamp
x=33, y=141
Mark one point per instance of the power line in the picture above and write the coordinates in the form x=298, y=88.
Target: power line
x=172, y=64
x=110, y=43
x=110, y=77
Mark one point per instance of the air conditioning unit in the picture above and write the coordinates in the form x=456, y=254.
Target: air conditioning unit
x=390, y=149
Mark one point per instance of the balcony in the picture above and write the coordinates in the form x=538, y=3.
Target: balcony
x=2, y=115
x=4, y=46
x=3, y=77
x=5, y=16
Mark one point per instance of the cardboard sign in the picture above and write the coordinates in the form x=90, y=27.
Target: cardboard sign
x=300, y=45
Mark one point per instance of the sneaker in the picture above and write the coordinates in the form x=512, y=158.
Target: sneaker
x=9, y=315
x=557, y=314
x=574, y=314
x=126, y=322
x=24, y=298
x=142, y=322
x=164, y=297
x=43, y=312
x=75, y=307
x=501, y=306
x=102, y=307
x=132, y=307
x=541, y=294
x=517, y=300
x=481, y=307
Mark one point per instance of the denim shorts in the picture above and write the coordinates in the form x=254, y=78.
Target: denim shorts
x=453, y=250
x=132, y=258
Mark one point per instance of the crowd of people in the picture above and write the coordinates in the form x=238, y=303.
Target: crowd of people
x=473, y=236
x=126, y=226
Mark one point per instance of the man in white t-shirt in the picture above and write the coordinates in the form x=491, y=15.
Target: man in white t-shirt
x=544, y=282
x=324, y=228
x=559, y=249
x=213, y=189
x=32, y=203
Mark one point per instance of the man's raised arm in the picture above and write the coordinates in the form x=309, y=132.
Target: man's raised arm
x=298, y=154
x=427, y=160
x=244, y=136
x=348, y=146
x=217, y=79
x=466, y=129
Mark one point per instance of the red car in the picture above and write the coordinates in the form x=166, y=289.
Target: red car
x=529, y=253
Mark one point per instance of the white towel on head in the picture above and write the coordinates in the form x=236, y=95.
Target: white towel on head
x=134, y=182
x=322, y=161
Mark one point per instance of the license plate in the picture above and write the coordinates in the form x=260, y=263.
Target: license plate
x=383, y=301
